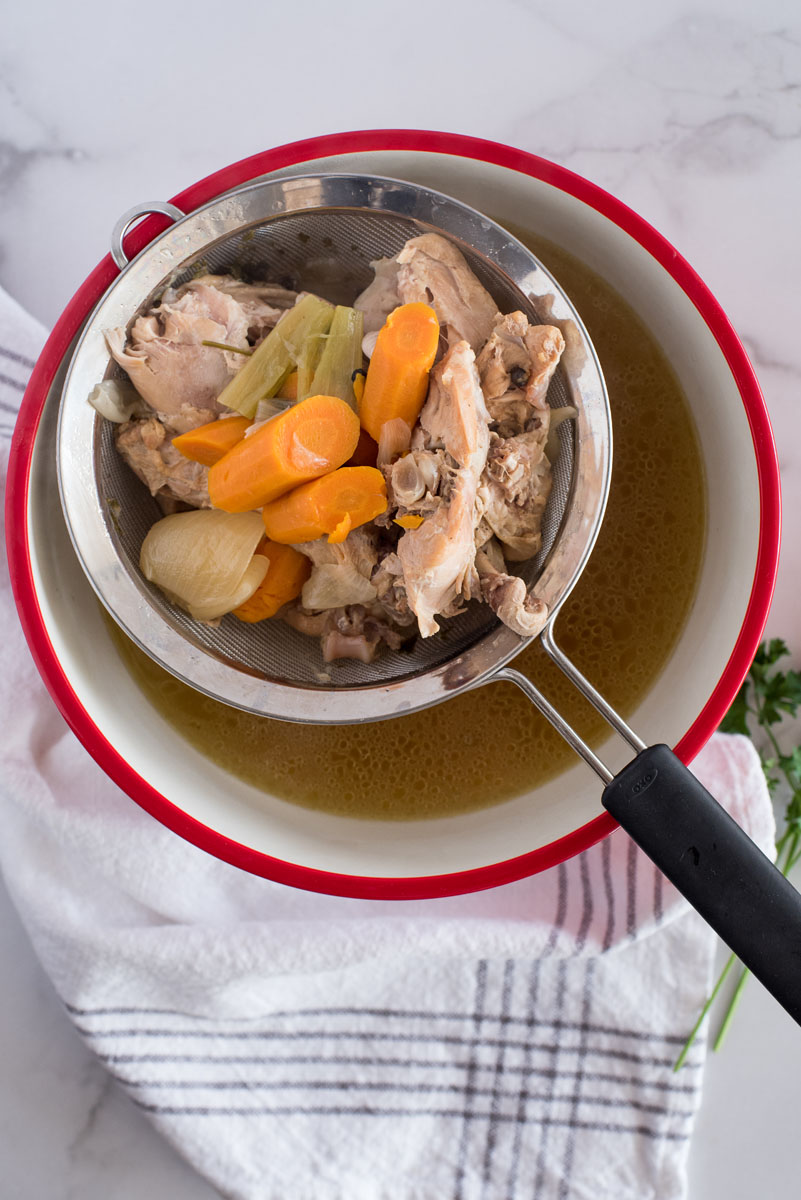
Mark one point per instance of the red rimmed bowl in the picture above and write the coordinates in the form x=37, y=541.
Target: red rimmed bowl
x=263, y=834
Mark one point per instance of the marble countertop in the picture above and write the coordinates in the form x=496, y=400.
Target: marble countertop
x=691, y=114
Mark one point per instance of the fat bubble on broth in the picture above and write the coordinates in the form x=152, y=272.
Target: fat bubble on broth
x=619, y=625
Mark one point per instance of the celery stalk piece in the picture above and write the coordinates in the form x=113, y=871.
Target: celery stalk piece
x=307, y=364
x=341, y=356
x=269, y=365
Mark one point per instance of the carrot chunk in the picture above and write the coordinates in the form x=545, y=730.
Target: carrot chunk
x=397, y=377
x=308, y=440
x=409, y=521
x=332, y=505
x=289, y=388
x=208, y=443
x=366, y=452
x=286, y=575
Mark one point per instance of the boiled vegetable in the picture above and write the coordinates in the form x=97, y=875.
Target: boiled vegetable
x=558, y=416
x=393, y=442
x=334, y=585
x=366, y=452
x=409, y=521
x=308, y=358
x=357, y=379
x=332, y=505
x=115, y=399
x=289, y=388
x=277, y=356
x=308, y=440
x=208, y=443
x=204, y=561
x=266, y=410
x=397, y=378
x=284, y=398
x=229, y=349
x=341, y=356
x=286, y=575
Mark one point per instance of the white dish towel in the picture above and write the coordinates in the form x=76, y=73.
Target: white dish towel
x=516, y=1043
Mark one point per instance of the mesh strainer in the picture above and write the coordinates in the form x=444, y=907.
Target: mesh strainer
x=321, y=232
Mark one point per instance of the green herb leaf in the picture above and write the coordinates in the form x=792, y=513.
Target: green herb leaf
x=779, y=694
x=769, y=653
x=790, y=764
x=736, y=719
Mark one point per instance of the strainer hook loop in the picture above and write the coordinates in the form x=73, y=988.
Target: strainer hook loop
x=133, y=214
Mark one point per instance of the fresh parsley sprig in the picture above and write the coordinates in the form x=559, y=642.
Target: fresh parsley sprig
x=768, y=696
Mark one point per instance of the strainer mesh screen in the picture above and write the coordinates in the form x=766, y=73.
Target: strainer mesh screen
x=328, y=252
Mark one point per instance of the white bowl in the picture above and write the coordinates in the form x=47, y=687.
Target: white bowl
x=306, y=848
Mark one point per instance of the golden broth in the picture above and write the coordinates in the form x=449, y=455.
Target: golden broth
x=618, y=626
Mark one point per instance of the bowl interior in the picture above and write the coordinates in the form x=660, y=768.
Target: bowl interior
x=462, y=843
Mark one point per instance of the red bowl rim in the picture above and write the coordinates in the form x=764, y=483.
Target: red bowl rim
x=425, y=141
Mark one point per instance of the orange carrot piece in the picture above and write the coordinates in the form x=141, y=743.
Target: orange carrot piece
x=366, y=452
x=409, y=521
x=286, y=575
x=289, y=388
x=332, y=505
x=308, y=440
x=208, y=443
x=397, y=377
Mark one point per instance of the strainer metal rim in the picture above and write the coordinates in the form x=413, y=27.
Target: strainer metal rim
x=88, y=519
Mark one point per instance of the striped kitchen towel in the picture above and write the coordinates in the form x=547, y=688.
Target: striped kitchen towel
x=21, y=339
x=514, y=1043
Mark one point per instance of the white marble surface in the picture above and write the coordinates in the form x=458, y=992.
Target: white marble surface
x=689, y=112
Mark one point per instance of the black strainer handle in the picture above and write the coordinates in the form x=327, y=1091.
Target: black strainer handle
x=698, y=846
x=715, y=865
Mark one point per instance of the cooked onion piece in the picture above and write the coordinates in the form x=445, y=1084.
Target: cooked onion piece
x=558, y=415
x=255, y=572
x=393, y=441
x=333, y=585
x=115, y=399
x=204, y=560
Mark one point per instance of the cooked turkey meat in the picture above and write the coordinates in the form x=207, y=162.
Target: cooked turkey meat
x=434, y=272
x=262, y=303
x=380, y=297
x=438, y=557
x=168, y=364
x=353, y=631
x=514, y=491
x=369, y=614
x=516, y=366
x=417, y=482
x=146, y=446
x=509, y=599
